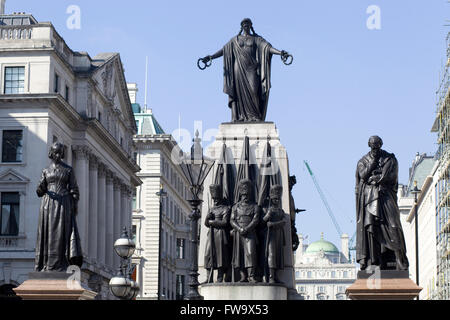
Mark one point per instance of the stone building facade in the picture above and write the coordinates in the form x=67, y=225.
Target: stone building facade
x=424, y=171
x=50, y=93
x=322, y=272
x=161, y=223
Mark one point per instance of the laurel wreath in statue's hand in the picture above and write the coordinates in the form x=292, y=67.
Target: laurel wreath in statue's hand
x=286, y=57
x=206, y=62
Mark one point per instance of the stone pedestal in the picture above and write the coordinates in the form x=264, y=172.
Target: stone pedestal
x=383, y=285
x=243, y=291
x=53, y=286
x=233, y=135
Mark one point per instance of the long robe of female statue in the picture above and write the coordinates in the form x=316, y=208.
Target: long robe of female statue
x=247, y=77
x=58, y=243
x=247, y=63
x=379, y=236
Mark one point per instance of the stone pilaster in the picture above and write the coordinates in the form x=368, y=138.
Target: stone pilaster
x=93, y=208
x=109, y=243
x=81, y=169
x=116, y=217
x=101, y=205
x=123, y=207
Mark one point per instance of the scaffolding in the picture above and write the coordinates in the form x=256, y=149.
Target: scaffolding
x=442, y=127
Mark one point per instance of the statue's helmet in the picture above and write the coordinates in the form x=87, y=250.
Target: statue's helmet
x=375, y=141
x=245, y=185
x=276, y=191
x=216, y=191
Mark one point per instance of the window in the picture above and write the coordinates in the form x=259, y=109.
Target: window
x=12, y=143
x=56, y=84
x=297, y=274
x=309, y=274
x=99, y=117
x=133, y=200
x=333, y=274
x=67, y=93
x=14, y=80
x=133, y=233
x=321, y=289
x=180, y=287
x=181, y=248
x=345, y=274
x=137, y=125
x=9, y=220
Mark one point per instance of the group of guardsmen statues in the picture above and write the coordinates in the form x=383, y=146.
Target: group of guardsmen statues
x=245, y=242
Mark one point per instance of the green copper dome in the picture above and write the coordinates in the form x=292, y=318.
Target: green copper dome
x=322, y=245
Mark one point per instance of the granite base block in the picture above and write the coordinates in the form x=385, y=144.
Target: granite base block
x=383, y=285
x=53, y=286
x=244, y=291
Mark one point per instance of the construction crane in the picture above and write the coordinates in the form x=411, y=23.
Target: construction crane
x=324, y=200
x=330, y=213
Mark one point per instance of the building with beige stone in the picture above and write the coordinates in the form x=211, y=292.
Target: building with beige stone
x=322, y=272
x=161, y=223
x=49, y=93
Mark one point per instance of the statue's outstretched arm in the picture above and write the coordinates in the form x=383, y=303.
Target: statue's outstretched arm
x=207, y=59
x=284, y=55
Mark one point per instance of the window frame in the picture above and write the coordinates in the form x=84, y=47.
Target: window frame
x=24, y=145
x=10, y=205
x=56, y=82
x=13, y=65
x=25, y=77
x=67, y=93
x=20, y=186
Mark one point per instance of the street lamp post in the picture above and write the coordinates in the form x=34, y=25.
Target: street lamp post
x=195, y=168
x=122, y=286
x=416, y=191
x=161, y=194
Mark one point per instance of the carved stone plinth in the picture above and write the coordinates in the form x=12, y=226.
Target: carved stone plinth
x=383, y=285
x=233, y=134
x=244, y=291
x=53, y=286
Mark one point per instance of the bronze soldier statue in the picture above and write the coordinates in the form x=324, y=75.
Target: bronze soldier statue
x=274, y=239
x=217, y=253
x=379, y=235
x=244, y=220
x=292, y=212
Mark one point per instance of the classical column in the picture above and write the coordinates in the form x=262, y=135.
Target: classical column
x=116, y=221
x=101, y=205
x=109, y=243
x=81, y=168
x=129, y=210
x=93, y=207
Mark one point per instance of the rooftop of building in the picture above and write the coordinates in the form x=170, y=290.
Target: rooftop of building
x=146, y=121
x=322, y=245
x=17, y=19
x=420, y=169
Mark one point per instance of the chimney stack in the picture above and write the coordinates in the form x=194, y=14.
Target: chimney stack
x=2, y=6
